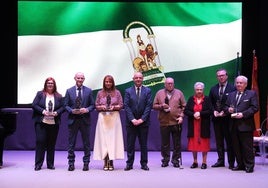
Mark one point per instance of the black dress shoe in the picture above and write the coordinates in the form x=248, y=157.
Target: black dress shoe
x=144, y=167
x=176, y=165
x=37, y=168
x=128, y=167
x=71, y=168
x=51, y=167
x=204, y=166
x=231, y=167
x=194, y=165
x=238, y=168
x=164, y=165
x=249, y=170
x=217, y=164
x=85, y=167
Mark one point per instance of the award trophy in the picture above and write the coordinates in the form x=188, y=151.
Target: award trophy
x=77, y=105
x=49, y=119
x=218, y=106
x=50, y=105
x=234, y=110
x=167, y=102
x=108, y=103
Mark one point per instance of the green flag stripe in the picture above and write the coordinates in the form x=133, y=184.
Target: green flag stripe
x=59, y=18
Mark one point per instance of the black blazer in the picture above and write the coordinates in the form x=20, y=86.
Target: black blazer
x=39, y=105
x=215, y=97
x=205, y=117
x=248, y=105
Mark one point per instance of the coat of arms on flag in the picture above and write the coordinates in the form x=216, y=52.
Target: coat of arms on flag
x=143, y=52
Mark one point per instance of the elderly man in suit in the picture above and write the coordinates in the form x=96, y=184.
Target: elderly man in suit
x=79, y=103
x=218, y=95
x=138, y=104
x=242, y=105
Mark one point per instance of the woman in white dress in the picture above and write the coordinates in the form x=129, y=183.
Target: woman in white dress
x=108, y=144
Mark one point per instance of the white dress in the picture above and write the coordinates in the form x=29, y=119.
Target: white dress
x=109, y=134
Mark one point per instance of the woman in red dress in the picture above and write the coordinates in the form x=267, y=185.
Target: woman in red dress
x=198, y=112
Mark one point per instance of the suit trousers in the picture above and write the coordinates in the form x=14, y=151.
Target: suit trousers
x=79, y=125
x=46, y=136
x=243, y=148
x=222, y=137
x=140, y=132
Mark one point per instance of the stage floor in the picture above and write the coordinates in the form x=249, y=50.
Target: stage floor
x=18, y=171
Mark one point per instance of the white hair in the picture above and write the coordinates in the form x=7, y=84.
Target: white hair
x=199, y=84
x=243, y=78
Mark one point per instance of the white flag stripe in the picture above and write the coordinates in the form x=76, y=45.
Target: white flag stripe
x=179, y=48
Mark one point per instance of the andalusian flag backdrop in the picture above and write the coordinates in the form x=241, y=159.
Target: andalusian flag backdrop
x=190, y=41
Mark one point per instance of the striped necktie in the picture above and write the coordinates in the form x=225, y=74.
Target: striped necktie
x=238, y=96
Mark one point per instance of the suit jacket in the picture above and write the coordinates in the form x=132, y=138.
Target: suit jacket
x=138, y=109
x=205, y=115
x=248, y=105
x=87, y=102
x=215, y=97
x=39, y=104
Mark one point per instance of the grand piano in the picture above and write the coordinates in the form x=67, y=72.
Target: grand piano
x=8, y=121
x=8, y=124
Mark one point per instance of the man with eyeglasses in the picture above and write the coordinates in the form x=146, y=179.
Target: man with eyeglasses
x=218, y=95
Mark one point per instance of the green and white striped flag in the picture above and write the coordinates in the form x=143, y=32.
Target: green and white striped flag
x=58, y=39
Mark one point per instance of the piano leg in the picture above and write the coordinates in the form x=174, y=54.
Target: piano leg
x=2, y=139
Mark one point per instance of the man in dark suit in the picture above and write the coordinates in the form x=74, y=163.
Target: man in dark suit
x=242, y=105
x=218, y=95
x=138, y=104
x=79, y=103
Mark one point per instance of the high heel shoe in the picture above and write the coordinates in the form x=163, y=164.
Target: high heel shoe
x=111, y=165
x=194, y=165
x=105, y=167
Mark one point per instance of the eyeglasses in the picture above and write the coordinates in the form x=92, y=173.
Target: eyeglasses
x=222, y=75
x=50, y=83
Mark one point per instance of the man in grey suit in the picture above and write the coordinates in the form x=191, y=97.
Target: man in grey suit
x=79, y=103
x=241, y=105
x=138, y=104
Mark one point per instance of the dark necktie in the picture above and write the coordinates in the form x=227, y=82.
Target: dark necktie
x=79, y=93
x=138, y=93
x=221, y=91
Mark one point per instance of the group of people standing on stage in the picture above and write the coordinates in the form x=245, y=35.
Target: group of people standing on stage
x=231, y=109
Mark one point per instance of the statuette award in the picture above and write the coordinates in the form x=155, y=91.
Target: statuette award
x=49, y=119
